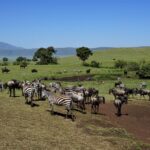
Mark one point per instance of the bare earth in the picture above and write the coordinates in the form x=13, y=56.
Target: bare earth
x=135, y=119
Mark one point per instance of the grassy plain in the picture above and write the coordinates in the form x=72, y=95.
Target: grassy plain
x=23, y=127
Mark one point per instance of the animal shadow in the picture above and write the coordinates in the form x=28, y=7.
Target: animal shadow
x=59, y=114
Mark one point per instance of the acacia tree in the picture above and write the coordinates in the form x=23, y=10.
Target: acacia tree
x=45, y=55
x=83, y=53
x=5, y=59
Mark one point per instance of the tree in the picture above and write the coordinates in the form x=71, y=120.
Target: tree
x=83, y=53
x=45, y=55
x=5, y=59
x=20, y=59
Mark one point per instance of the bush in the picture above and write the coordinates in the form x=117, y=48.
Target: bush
x=86, y=64
x=34, y=70
x=144, y=71
x=16, y=63
x=95, y=64
x=133, y=66
x=120, y=64
x=4, y=63
x=88, y=71
x=23, y=64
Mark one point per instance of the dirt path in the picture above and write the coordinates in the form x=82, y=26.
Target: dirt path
x=135, y=119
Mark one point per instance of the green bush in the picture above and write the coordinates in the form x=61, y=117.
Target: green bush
x=16, y=63
x=133, y=66
x=144, y=71
x=86, y=64
x=95, y=64
x=120, y=64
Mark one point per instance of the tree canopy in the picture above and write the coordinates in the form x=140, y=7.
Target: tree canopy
x=83, y=53
x=45, y=55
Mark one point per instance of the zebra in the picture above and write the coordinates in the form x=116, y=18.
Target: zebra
x=29, y=91
x=95, y=102
x=56, y=87
x=119, y=101
x=38, y=89
x=60, y=101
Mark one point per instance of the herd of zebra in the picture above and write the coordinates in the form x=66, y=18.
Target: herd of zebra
x=70, y=96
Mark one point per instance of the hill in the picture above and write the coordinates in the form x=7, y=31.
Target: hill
x=11, y=51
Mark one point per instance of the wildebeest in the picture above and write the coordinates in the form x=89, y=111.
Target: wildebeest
x=117, y=92
x=78, y=98
x=89, y=93
x=12, y=86
x=95, y=102
x=119, y=101
x=143, y=92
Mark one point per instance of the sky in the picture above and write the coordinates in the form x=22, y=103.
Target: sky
x=75, y=23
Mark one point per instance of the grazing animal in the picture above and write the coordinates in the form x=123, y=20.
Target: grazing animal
x=119, y=101
x=1, y=86
x=28, y=92
x=12, y=86
x=143, y=92
x=79, y=98
x=117, y=92
x=89, y=93
x=38, y=88
x=56, y=87
x=95, y=102
x=61, y=101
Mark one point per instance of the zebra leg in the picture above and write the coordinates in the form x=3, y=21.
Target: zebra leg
x=31, y=100
x=14, y=92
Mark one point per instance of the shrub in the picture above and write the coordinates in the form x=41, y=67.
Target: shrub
x=23, y=64
x=144, y=71
x=16, y=63
x=86, y=64
x=133, y=66
x=88, y=71
x=4, y=63
x=95, y=64
x=120, y=64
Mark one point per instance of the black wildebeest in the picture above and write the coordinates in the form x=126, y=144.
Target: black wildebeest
x=119, y=101
x=12, y=86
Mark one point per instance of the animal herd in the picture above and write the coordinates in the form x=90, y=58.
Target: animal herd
x=71, y=97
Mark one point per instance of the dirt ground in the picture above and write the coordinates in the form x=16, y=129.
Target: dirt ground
x=135, y=119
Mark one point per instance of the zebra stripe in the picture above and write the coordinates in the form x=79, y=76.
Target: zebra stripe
x=29, y=92
x=61, y=101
